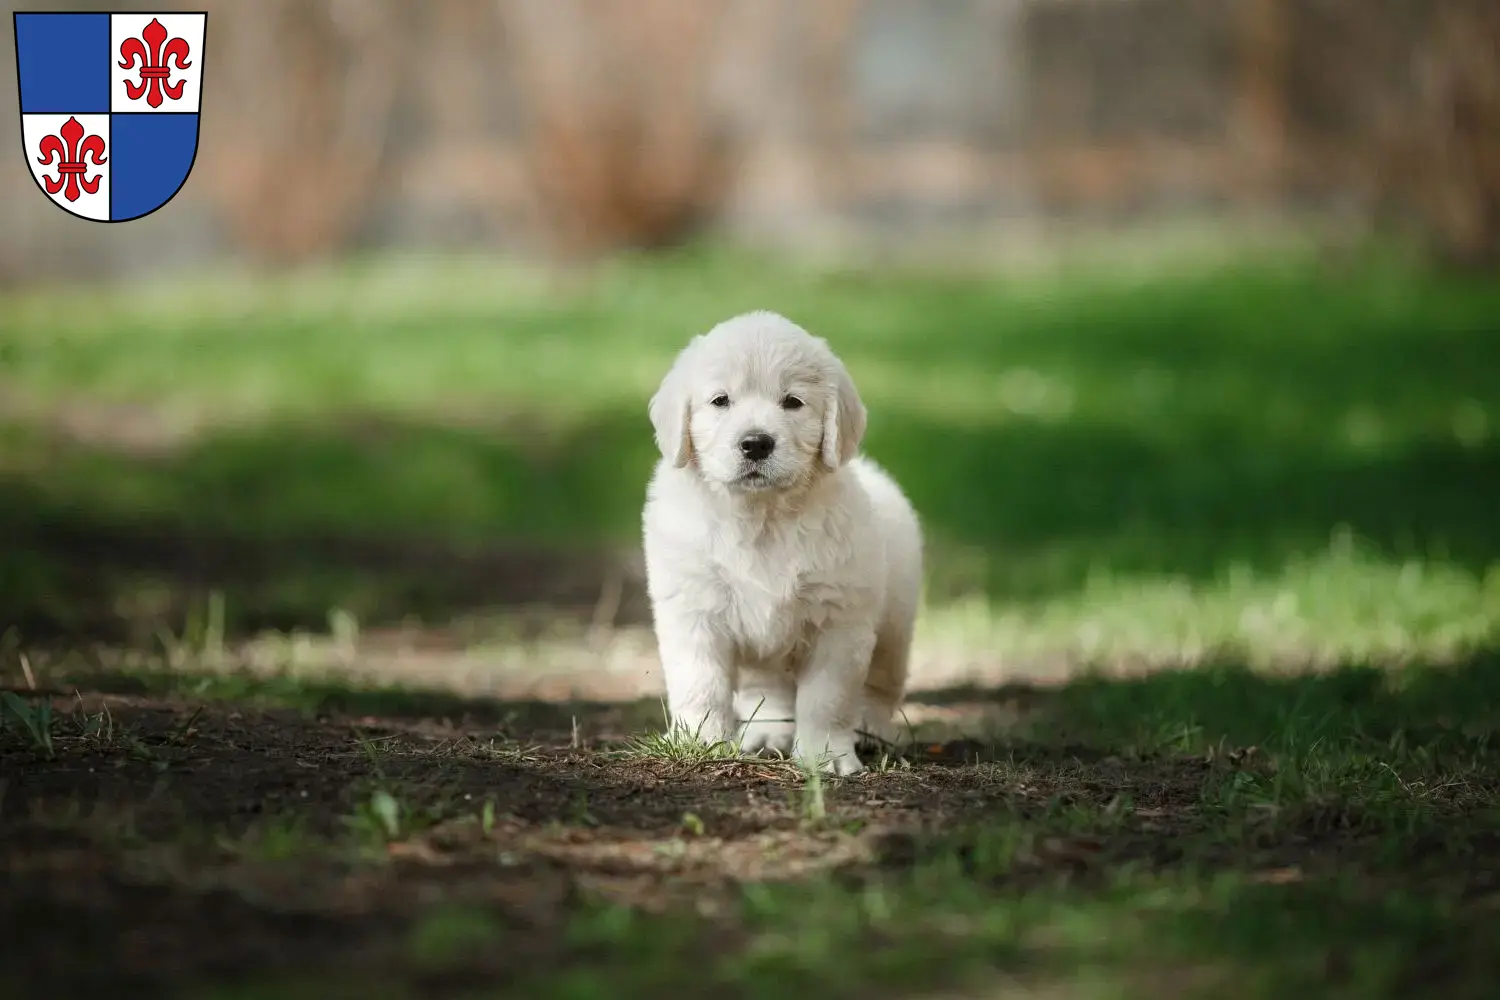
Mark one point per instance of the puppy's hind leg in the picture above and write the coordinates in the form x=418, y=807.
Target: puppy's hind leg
x=885, y=687
x=766, y=704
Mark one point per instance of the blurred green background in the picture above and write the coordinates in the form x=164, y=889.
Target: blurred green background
x=1171, y=347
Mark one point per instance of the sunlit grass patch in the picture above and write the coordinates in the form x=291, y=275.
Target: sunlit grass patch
x=1343, y=604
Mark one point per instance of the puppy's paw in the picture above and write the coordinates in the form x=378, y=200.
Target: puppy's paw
x=773, y=737
x=843, y=764
x=880, y=726
x=833, y=755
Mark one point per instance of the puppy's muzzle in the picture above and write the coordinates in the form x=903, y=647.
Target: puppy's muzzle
x=757, y=446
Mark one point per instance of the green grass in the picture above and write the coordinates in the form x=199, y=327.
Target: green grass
x=1142, y=937
x=1139, y=936
x=1271, y=458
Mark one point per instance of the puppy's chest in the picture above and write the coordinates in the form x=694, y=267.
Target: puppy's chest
x=773, y=597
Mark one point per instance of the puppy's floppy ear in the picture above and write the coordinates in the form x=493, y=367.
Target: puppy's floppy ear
x=843, y=419
x=669, y=410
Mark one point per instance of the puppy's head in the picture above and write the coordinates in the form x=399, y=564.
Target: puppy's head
x=758, y=404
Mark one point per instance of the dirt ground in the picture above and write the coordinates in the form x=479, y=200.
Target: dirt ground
x=169, y=841
x=172, y=841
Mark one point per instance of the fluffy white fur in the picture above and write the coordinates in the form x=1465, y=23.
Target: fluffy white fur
x=783, y=587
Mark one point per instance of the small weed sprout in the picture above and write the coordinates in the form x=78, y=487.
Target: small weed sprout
x=381, y=817
x=34, y=718
x=814, y=805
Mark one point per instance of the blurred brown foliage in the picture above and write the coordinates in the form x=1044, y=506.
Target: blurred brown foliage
x=1449, y=160
x=613, y=121
x=308, y=87
x=621, y=139
x=1402, y=98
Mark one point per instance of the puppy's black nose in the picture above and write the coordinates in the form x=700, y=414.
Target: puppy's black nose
x=757, y=446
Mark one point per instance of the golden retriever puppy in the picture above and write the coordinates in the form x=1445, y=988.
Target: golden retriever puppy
x=784, y=569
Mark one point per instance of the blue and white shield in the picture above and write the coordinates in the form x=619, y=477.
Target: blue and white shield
x=109, y=108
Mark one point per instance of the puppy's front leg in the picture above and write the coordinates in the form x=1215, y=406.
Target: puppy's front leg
x=698, y=667
x=766, y=704
x=828, y=697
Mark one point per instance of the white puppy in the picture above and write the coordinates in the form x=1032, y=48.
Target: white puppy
x=784, y=570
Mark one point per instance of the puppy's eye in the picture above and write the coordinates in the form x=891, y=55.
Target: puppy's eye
x=720, y=401
x=791, y=403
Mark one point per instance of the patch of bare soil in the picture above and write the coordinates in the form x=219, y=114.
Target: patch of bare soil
x=168, y=842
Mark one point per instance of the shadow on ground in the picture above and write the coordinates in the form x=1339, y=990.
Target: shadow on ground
x=291, y=524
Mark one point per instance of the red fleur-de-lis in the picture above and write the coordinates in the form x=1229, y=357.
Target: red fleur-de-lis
x=155, y=70
x=72, y=167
